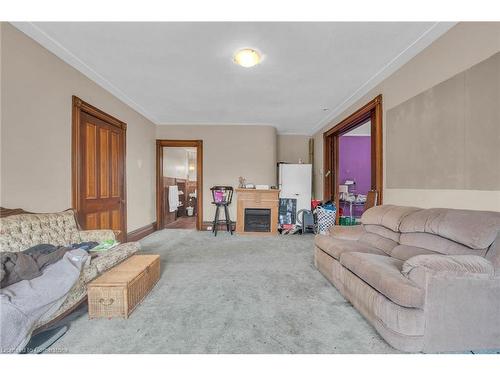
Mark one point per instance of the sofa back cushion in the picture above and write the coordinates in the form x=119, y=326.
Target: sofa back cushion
x=405, y=252
x=438, y=244
x=20, y=232
x=379, y=242
x=387, y=216
x=382, y=231
x=474, y=229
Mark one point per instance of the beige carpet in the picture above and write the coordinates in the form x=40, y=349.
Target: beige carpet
x=232, y=294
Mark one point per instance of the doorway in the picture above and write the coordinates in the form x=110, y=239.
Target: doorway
x=353, y=159
x=98, y=169
x=179, y=188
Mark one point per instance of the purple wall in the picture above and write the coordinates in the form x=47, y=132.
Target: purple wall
x=355, y=161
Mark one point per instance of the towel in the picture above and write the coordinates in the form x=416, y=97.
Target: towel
x=173, y=198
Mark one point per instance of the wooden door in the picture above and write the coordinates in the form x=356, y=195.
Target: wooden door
x=100, y=172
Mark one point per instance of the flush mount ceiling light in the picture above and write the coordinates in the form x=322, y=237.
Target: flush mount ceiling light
x=247, y=57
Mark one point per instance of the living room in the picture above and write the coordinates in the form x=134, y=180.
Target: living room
x=147, y=166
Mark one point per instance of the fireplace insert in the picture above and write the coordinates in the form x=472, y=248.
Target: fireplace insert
x=257, y=220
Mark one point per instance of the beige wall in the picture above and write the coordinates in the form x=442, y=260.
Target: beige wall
x=36, y=95
x=36, y=90
x=291, y=148
x=229, y=152
x=459, y=49
x=449, y=134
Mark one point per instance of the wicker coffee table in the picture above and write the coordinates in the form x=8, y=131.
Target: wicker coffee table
x=118, y=291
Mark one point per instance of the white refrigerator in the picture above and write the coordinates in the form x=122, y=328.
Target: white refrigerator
x=295, y=181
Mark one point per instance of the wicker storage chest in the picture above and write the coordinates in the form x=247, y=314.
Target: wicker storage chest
x=117, y=292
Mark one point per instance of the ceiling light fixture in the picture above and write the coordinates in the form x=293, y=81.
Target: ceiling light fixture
x=247, y=57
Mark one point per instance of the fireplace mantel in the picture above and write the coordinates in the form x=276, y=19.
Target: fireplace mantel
x=257, y=198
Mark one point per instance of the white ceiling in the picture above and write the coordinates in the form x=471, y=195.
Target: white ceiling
x=183, y=73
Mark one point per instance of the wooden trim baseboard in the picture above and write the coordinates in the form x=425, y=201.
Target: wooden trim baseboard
x=141, y=232
x=222, y=227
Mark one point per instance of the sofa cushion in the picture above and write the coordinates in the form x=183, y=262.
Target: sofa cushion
x=112, y=257
x=383, y=273
x=388, y=216
x=437, y=244
x=335, y=246
x=376, y=307
x=382, y=231
x=351, y=232
x=404, y=252
x=474, y=229
x=379, y=242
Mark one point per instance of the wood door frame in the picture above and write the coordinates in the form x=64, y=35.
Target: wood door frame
x=198, y=144
x=371, y=111
x=79, y=106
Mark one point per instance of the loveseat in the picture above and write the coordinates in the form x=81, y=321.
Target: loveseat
x=426, y=279
x=21, y=231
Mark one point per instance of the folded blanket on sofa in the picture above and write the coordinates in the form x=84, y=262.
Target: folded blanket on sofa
x=25, y=303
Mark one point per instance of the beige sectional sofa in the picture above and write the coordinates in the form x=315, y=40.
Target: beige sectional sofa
x=21, y=231
x=426, y=279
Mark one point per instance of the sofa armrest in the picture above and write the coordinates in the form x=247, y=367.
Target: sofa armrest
x=461, y=301
x=421, y=267
x=353, y=232
x=97, y=235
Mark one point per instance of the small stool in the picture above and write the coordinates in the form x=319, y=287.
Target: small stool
x=222, y=197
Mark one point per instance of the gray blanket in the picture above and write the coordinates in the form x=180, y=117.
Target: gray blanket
x=23, y=304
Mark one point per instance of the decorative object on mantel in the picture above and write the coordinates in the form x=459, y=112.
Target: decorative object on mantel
x=262, y=187
x=249, y=186
x=242, y=182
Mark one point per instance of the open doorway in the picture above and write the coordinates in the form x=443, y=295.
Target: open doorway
x=354, y=173
x=353, y=160
x=179, y=184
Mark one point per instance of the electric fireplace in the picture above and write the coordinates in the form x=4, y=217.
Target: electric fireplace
x=257, y=220
x=257, y=211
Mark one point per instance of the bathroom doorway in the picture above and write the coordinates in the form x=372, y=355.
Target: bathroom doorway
x=179, y=184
